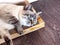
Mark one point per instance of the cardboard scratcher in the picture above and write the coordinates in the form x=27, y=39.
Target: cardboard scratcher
x=14, y=34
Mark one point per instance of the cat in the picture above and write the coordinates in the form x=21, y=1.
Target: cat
x=10, y=20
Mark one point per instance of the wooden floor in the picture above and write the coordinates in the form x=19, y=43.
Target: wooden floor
x=50, y=35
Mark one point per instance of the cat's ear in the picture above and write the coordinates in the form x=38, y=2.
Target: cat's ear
x=28, y=7
x=38, y=13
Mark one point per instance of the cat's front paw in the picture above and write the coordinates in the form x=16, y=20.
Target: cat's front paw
x=20, y=32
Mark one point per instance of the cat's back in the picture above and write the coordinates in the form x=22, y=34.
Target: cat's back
x=9, y=8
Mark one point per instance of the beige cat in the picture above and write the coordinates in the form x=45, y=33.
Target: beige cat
x=10, y=18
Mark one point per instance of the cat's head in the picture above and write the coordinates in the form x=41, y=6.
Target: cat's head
x=29, y=17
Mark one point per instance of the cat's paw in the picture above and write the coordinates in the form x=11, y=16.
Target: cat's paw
x=20, y=32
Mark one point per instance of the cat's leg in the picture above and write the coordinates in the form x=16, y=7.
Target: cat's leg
x=6, y=36
x=16, y=23
x=8, y=39
x=1, y=34
x=19, y=28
